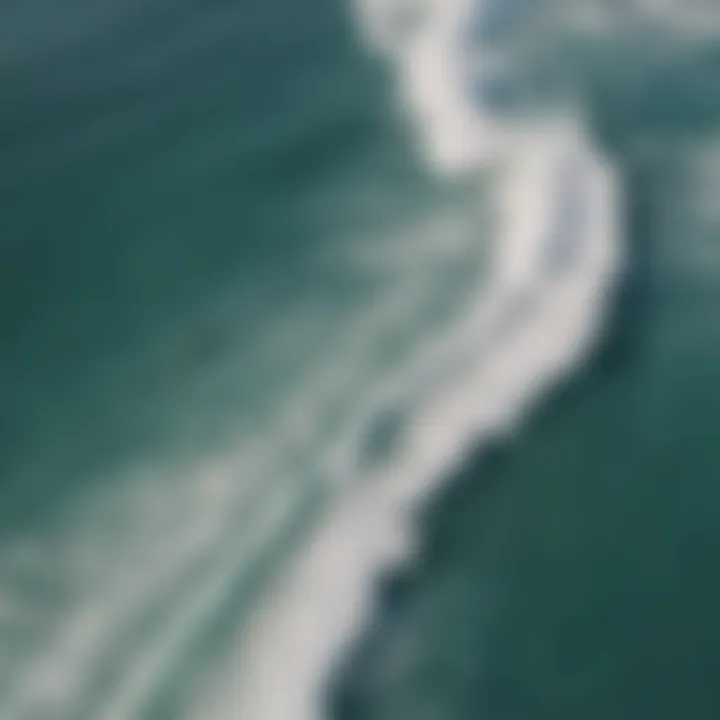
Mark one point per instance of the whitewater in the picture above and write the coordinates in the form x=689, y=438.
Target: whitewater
x=555, y=260
x=477, y=110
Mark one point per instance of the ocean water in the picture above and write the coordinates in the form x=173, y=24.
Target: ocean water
x=359, y=360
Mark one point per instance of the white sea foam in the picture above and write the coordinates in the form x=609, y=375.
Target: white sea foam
x=556, y=259
x=182, y=537
x=319, y=605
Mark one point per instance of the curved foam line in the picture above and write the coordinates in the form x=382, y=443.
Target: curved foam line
x=323, y=601
x=557, y=255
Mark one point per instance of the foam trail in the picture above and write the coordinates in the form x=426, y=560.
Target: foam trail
x=431, y=89
x=316, y=609
x=557, y=257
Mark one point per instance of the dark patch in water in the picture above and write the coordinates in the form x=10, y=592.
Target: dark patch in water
x=382, y=436
x=569, y=233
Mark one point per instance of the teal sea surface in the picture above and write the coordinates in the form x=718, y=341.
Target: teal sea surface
x=221, y=256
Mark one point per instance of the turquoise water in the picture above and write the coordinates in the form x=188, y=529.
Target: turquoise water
x=221, y=254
